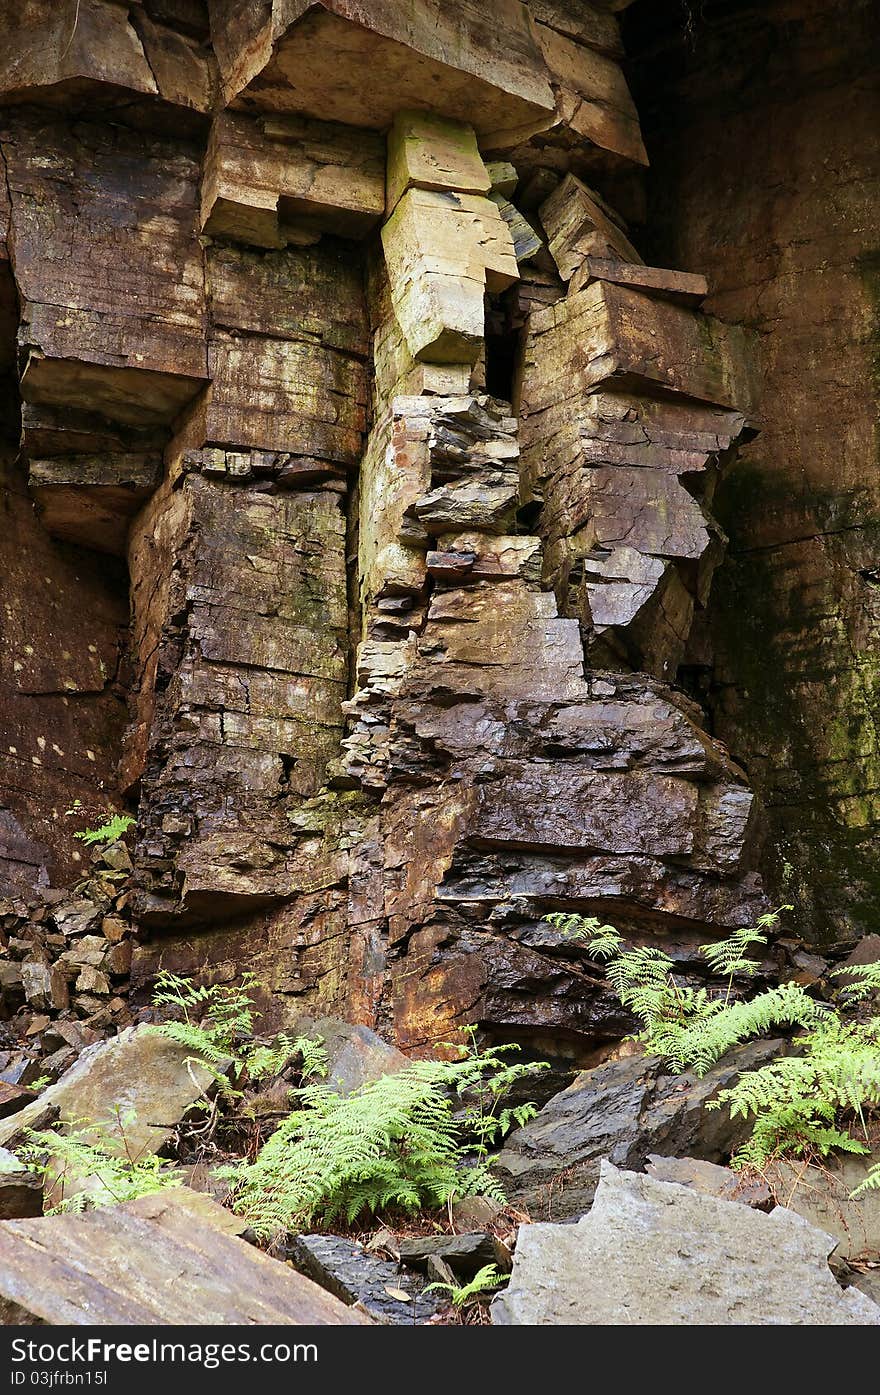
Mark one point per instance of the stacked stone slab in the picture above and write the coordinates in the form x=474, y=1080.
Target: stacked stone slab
x=398, y=675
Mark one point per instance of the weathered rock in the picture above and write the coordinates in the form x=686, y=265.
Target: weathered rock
x=624, y=1111
x=137, y=1071
x=444, y=249
x=77, y=1269
x=577, y=227
x=683, y=287
x=270, y=181
x=355, y=1055
x=822, y=1196
x=345, y=1270
x=13, y=1097
x=654, y=1253
x=21, y=1191
x=449, y=60
x=709, y=1179
x=464, y=1254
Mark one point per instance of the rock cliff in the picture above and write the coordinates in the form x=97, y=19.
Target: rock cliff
x=366, y=491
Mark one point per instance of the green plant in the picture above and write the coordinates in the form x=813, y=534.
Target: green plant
x=109, y=832
x=398, y=1140
x=216, y=1020
x=100, y=1159
x=484, y=1281
x=803, y=1104
x=692, y=1027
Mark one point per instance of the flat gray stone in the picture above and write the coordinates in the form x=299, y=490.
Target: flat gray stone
x=163, y=1259
x=657, y=1254
x=345, y=1270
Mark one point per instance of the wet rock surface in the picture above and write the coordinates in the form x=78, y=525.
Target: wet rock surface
x=376, y=1285
x=623, y=1111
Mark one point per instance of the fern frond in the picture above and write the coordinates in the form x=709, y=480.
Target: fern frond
x=97, y=1155
x=484, y=1281
x=863, y=981
x=602, y=941
x=398, y=1140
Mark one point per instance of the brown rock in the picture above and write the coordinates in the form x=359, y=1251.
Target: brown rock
x=76, y=1269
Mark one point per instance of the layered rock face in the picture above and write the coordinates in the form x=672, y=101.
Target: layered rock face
x=323, y=322
x=776, y=202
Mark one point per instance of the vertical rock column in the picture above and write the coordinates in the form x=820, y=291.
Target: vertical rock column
x=510, y=780
x=239, y=585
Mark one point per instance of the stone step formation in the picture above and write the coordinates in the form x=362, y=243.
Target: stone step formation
x=325, y=328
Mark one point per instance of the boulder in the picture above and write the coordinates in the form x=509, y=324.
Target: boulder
x=355, y=1054
x=711, y=1180
x=653, y=1253
x=623, y=1110
x=139, y=1071
x=21, y=1191
x=114, y=1266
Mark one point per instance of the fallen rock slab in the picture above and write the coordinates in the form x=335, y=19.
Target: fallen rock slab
x=623, y=1110
x=355, y=1054
x=464, y=1254
x=654, y=1253
x=343, y=1268
x=141, y=1072
x=152, y=1261
x=711, y=1180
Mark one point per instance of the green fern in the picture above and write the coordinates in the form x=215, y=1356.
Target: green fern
x=98, y=1154
x=602, y=941
x=216, y=1019
x=268, y=1060
x=484, y=1281
x=395, y=1141
x=692, y=1027
x=800, y=1103
x=870, y=1183
x=863, y=981
x=109, y=832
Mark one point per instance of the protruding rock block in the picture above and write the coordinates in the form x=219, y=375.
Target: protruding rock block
x=683, y=287
x=428, y=151
x=445, y=55
x=443, y=251
x=91, y=500
x=270, y=181
x=609, y=333
x=95, y=227
x=52, y=51
x=593, y=100
x=577, y=227
x=587, y=24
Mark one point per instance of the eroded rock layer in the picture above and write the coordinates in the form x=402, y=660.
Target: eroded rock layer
x=326, y=322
